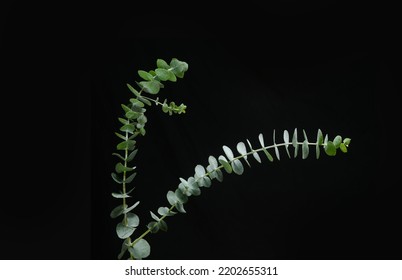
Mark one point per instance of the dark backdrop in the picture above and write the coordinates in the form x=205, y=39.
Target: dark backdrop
x=251, y=70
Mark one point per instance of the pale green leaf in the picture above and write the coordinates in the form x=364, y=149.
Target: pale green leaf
x=132, y=220
x=237, y=167
x=131, y=207
x=269, y=156
x=116, y=178
x=225, y=164
x=164, y=211
x=145, y=75
x=337, y=141
x=330, y=148
x=343, y=148
x=120, y=195
x=171, y=197
x=228, y=152
x=117, y=211
x=130, y=178
x=156, y=218
x=319, y=142
x=261, y=139
x=294, y=142
x=286, y=141
x=305, y=149
x=160, y=63
x=213, y=162
x=132, y=155
x=276, y=147
x=200, y=170
x=124, y=231
x=141, y=249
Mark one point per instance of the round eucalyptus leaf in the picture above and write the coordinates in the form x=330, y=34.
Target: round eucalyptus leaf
x=153, y=226
x=225, y=164
x=141, y=249
x=171, y=197
x=241, y=148
x=237, y=167
x=160, y=63
x=228, y=152
x=130, y=178
x=337, y=141
x=200, y=170
x=132, y=220
x=124, y=231
x=131, y=207
x=164, y=211
x=163, y=225
x=116, y=178
x=343, y=148
x=117, y=211
x=181, y=196
x=180, y=208
x=219, y=175
x=213, y=162
x=330, y=149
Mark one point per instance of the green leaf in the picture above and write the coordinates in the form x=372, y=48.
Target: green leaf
x=165, y=75
x=294, y=143
x=136, y=103
x=151, y=87
x=131, y=207
x=228, y=152
x=213, y=162
x=128, y=128
x=225, y=164
x=121, y=136
x=241, y=148
x=219, y=175
x=156, y=218
x=124, y=231
x=337, y=141
x=132, y=115
x=276, y=147
x=254, y=153
x=182, y=198
x=237, y=167
x=140, y=250
x=178, y=67
x=346, y=141
x=343, y=148
x=180, y=208
x=305, y=149
x=130, y=178
x=125, y=108
x=117, y=211
x=153, y=226
x=132, y=220
x=305, y=135
x=164, y=211
x=123, y=251
x=123, y=121
x=319, y=142
x=171, y=197
x=119, y=156
x=116, y=178
x=133, y=90
x=146, y=101
x=162, y=225
x=200, y=170
x=145, y=75
x=160, y=63
x=286, y=141
x=270, y=158
x=129, y=145
x=204, y=182
x=132, y=155
x=120, y=195
x=261, y=139
x=330, y=148
x=121, y=168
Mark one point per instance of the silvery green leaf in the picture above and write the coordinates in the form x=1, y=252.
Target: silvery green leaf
x=305, y=149
x=179, y=207
x=182, y=198
x=131, y=207
x=286, y=141
x=162, y=225
x=294, y=142
x=305, y=135
x=276, y=147
x=131, y=178
x=261, y=138
x=124, y=231
x=326, y=140
x=219, y=175
x=254, y=153
x=140, y=250
x=153, y=227
x=156, y=218
x=228, y=152
x=318, y=143
x=330, y=148
x=270, y=158
x=117, y=211
x=120, y=195
x=119, y=156
x=346, y=141
x=225, y=164
x=337, y=141
x=237, y=167
x=132, y=220
x=171, y=197
x=200, y=170
x=116, y=178
x=164, y=211
x=241, y=148
x=213, y=162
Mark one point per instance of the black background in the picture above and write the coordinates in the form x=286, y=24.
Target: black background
x=252, y=69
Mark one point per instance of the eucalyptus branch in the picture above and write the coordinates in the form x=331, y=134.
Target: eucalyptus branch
x=133, y=125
